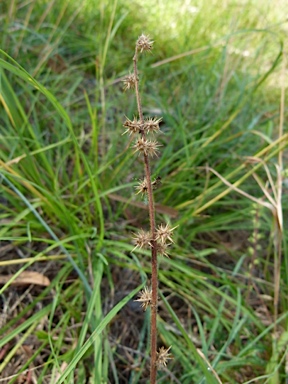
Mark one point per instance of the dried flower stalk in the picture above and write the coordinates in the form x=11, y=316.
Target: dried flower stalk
x=158, y=239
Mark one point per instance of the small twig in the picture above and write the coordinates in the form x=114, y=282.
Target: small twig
x=209, y=365
x=234, y=188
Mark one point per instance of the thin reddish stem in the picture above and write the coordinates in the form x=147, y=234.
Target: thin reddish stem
x=154, y=263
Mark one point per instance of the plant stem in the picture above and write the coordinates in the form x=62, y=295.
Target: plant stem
x=154, y=263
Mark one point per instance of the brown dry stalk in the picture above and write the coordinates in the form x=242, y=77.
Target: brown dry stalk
x=154, y=263
x=158, y=239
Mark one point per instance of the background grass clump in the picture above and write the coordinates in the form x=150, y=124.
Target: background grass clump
x=217, y=76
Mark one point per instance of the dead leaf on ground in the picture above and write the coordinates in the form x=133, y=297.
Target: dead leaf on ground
x=26, y=277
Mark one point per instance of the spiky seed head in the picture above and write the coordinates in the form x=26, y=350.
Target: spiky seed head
x=141, y=239
x=133, y=126
x=142, y=186
x=163, y=356
x=147, y=147
x=164, y=233
x=129, y=81
x=145, y=298
x=144, y=43
x=136, y=126
x=152, y=125
x=162, y=249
